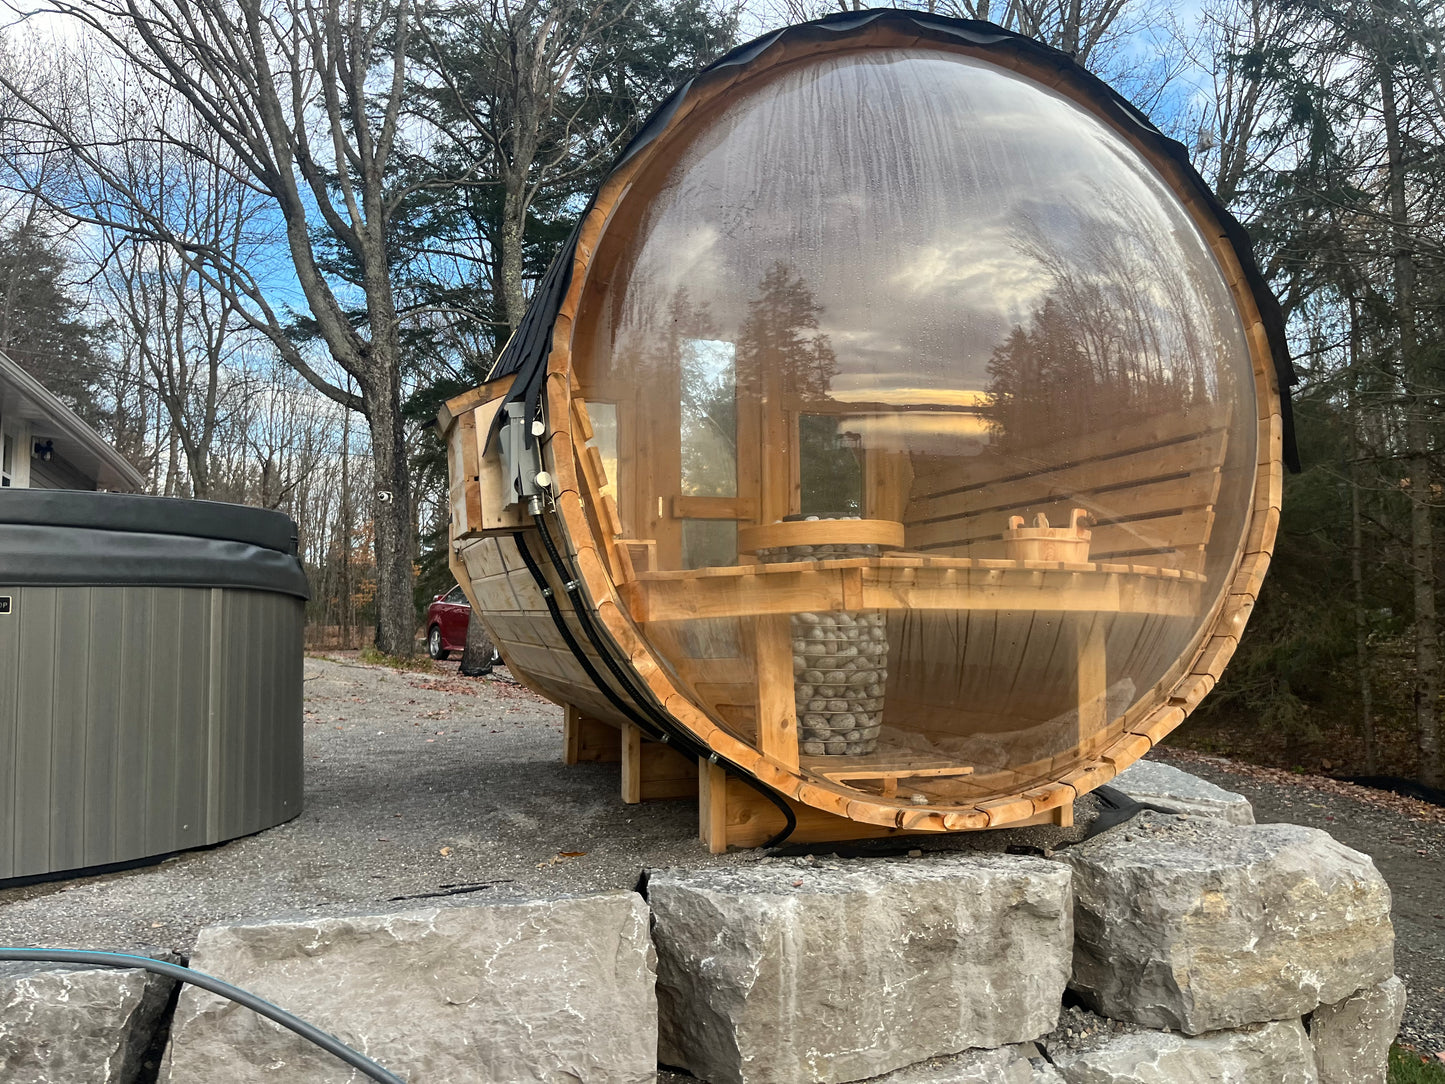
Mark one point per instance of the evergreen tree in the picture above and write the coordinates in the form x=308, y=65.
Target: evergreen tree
x=42, y=325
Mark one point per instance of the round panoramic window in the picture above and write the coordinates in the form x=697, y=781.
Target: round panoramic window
x=927, y=412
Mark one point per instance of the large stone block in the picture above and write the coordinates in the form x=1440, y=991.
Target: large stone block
x=1015, y=1064
x=1274, y=1053
x=1352, y=1037
x=783, y=973
x=1166, y=786
x=527, y=991
x=1197, y=925
x=65, y=1025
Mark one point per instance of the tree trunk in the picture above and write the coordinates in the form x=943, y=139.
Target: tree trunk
x=479, y=655
x=1357, y=564
x=391, y=516
x=1419, y=413
x=173, y=464
x=514, y=225
x=346, y=608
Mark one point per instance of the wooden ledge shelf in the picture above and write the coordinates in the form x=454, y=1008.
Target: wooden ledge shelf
x=910, y=583
x=839, y=768
x=884, y=533
x=884, y=768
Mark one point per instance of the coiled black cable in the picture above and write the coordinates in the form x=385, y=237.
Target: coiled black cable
x=641, y=695
x=328, y=1042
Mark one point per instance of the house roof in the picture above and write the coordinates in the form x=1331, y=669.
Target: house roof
x=22, y=396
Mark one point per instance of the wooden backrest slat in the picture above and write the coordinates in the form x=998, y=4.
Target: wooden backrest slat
x=1174, y=530
x=1150, y=488
x=1114, y=505
x=1092, y=477
x=1150, y=434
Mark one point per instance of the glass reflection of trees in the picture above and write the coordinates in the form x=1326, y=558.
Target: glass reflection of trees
x=709, y=404
x=1120, y=336
x=780, y=335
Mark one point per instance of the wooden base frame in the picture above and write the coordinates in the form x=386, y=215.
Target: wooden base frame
x=732, y=814
x=650, y=771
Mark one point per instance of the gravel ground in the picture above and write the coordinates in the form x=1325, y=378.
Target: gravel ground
x=431, y=786
x=418, y=787
x=1407, y=842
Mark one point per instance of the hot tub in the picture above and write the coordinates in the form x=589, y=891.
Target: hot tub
x=150, y=677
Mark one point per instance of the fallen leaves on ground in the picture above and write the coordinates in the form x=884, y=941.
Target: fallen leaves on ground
x=558, y=858
x=1381, y=799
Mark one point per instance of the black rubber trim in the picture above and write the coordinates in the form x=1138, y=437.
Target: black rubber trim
x=560, y=621
x=527, y=352
x=148, y=515
x=670, y=729
x=1116, y=808
x=49, y=556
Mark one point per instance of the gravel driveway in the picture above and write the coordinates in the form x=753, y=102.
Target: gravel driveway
x=425, y=786
x=417, y=786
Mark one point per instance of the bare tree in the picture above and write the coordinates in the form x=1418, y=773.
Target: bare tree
x=305, y=97
x=184, y=338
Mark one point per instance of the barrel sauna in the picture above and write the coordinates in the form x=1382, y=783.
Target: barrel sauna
x=895, y=446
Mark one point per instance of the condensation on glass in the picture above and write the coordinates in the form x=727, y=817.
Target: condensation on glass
x=907, y=289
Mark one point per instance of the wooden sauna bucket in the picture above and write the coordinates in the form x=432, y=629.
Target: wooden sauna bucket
x=915, y=277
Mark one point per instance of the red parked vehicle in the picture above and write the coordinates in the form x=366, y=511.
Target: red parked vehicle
x=446, y=623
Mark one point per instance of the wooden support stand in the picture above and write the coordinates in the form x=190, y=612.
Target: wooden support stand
x=732, y=814
x=651, y=771
x=585, y=739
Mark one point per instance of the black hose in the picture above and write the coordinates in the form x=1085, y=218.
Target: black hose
x=642, y=696
x=330, y=1043
x=1116, y=808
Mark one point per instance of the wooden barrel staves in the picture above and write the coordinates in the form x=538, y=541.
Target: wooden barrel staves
x=896, y=445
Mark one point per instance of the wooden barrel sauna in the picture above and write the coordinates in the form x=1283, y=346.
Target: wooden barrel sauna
x=895, y=446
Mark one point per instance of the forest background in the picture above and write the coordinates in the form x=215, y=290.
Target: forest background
x=257, y=242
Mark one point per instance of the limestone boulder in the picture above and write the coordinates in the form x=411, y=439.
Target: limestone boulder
x=784, y=973
x=1275, y=1053
x=1166, y=786
x=526, y=991
x=1196, y=925
x=1352, y=1037
x=62, y=1025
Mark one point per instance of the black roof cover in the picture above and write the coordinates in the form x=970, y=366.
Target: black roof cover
x=527, y=351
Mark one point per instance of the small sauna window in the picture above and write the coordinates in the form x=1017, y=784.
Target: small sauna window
x=709, y=543
x=709, y=419
x=830, y=467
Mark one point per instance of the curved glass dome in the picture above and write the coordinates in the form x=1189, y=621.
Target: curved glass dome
x=843, y=343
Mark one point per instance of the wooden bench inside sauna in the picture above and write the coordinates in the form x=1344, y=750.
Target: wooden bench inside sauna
x=804, y=493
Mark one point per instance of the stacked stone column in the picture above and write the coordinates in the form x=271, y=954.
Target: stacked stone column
x=840, y=665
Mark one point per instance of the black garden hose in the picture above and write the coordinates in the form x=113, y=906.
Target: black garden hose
x=328, y=1042
x=641, y=696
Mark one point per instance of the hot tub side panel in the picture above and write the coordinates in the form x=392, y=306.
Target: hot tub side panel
x=141, y=720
